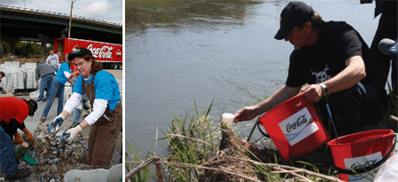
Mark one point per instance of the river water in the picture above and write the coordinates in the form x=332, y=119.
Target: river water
x=178, y=52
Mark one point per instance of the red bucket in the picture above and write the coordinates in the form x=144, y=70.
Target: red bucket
x=361, y=150
x=295, y=127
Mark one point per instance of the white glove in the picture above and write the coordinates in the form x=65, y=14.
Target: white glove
x=59, y=116
x=35, y=85
x=56, y=123
x=73, y=132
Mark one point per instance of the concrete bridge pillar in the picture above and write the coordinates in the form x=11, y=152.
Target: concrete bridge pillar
x=64, y=32
x=13, y=47
x=43, y=49
x=12, y=41
x=44, y=40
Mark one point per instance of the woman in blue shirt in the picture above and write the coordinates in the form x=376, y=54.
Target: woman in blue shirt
x=106, y=117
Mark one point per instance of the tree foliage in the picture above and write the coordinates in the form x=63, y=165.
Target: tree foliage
x=5, y=47
x=27, y=49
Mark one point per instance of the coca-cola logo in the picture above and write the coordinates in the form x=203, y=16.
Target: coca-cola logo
x=103, y=52
x=367, y=164
x=300, y=121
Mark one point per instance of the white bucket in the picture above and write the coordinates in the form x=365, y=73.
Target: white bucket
x=228, y=118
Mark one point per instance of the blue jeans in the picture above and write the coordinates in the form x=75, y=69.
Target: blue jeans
x=78, y=112
x=57, y=89
x=46, y=80
x=7, y=156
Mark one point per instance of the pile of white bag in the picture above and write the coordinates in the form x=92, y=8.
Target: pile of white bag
x=17, y=77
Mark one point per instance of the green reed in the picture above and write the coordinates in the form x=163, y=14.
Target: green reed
x=192, y=141
x=142, y=176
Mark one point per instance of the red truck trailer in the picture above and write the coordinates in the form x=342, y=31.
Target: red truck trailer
x=109, y=54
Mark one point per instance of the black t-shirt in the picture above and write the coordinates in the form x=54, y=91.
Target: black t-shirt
x=337, y=42
x=12, y=127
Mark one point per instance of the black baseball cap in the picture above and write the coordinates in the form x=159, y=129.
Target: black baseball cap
x=295, y=13
x=32, y=106
x=79, y=51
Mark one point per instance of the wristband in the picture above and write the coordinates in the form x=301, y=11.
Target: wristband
x=325, y=89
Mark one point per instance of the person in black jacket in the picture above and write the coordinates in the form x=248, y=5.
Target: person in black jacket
x=387, y=28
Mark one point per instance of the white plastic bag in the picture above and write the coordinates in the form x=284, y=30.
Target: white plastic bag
x=388, y=171
x=35, y=94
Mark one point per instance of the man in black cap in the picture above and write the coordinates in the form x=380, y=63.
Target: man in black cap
x=333, y=59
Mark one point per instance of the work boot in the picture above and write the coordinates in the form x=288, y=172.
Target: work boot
x=45, y=99
x=42, y=119
x=22, y=173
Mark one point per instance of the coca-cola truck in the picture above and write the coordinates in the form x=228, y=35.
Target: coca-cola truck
x=109, y=54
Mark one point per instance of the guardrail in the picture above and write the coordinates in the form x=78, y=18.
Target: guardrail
x=59, y=14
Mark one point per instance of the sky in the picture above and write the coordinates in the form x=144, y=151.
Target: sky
x=107, y=10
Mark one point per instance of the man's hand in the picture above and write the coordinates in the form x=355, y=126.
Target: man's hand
x=312, y=92
x=29, y=137
x=245, y=114
x=73, y=132
x=17, y=138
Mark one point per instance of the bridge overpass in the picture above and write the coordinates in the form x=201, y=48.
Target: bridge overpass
x=22, y=24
